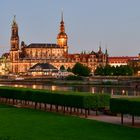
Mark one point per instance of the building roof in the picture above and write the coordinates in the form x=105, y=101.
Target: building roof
x=5, y=55
x=121, y=59
x=42, y=45
x=136, y=60
x=124, y=57
x=43, y=67
x=61, y=35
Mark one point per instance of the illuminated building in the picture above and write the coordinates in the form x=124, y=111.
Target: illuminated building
x=23, y=57
x=120, y=60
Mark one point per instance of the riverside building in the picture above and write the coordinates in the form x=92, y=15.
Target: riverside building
x=23, y=57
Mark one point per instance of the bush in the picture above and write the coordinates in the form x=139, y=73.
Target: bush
x=125, y=106
x=81, y=70
x=70, y=99
x=73, y=77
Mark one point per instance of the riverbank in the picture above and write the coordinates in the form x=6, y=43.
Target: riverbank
x=133, y=81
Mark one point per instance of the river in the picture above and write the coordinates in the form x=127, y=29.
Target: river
x=112, y=90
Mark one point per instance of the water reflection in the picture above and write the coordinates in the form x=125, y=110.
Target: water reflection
x=83, y=88
x=34, y=86
x=112, y=91
x=93, y=90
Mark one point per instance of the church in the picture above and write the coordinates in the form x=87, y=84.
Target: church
x=23, y=57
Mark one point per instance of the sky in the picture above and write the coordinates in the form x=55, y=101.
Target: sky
x=114, y=23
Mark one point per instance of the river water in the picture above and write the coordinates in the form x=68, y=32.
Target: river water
x=112, y=90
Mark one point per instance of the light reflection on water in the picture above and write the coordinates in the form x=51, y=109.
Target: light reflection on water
x=84, y=88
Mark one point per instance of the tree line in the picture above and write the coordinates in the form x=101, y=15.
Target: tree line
x=123, y=70
x=82, y=70
x=78, y=69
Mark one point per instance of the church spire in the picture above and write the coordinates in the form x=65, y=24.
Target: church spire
x=62, y=26
x=62, y=36
x=62, y=15
x=100, y=48
x=14, y=35
x=106, y=52
x=14, y=21
x=106, y=56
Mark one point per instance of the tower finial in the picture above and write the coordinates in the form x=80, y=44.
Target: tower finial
x=62, y=14
x=62, y=26
x=106, y=51
x=100, y=44
x=14, y=18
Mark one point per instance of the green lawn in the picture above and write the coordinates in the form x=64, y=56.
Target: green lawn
x=29, y=124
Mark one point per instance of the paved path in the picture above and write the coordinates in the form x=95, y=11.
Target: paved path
x=104, y=118
x=116, y=120
x=100, y=117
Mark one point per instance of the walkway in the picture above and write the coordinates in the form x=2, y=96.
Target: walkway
x=101, y=117
x=116, y=120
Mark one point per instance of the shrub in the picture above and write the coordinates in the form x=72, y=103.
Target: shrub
x=70, y=99
x=125, y=105
x=73, y=77
x=81, y=70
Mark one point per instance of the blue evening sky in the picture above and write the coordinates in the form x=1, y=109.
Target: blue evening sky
x=116, y=23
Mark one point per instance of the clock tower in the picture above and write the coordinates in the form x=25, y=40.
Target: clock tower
x=62, y=37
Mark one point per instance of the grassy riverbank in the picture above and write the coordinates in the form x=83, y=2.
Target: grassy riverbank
x=29, y=124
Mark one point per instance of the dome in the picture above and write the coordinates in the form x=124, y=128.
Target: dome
x=62, y=35
x=43, y=67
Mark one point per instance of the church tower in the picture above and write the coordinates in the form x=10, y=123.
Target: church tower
x=62, y=37
x=14, y=36
x=14, y=52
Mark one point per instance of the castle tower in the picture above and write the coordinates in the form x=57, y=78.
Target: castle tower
x=14, y=36
x=62, y=37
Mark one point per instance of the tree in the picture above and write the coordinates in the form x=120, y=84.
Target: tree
x=99, y=71
x=62, y=68
x=114, y=71
x=129, y=71
x=69, y=69
x=135, y=66
x=81, y=70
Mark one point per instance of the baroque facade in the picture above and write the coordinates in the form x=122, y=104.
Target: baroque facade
x=23, y=57
x=121, y=60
